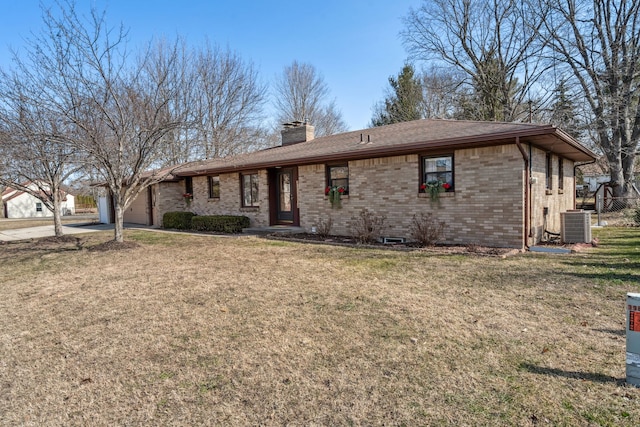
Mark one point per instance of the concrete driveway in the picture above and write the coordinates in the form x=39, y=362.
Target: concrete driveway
x=47, y=231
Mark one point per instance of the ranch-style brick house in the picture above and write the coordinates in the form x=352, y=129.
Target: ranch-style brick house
x=506, y=183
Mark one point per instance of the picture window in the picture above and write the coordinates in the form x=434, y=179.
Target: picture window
x=338, y=176
x=437, y=169
x=214, y=187
x=250, y=190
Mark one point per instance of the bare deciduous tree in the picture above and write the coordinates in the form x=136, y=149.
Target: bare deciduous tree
x=494, y=43
x=598, y=41
x=228, y=104
x=301, y=94
x=116, y=109
x=221, y=99
x=181, y=143
x=36, y=156
x=441, y=91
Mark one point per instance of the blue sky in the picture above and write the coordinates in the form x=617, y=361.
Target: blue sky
x=354, y=44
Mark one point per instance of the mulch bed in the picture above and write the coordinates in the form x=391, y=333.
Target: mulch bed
x=351, y=242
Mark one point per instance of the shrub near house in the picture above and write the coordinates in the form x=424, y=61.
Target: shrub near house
x=177, y=220
x=211, y=223
x=220, y=223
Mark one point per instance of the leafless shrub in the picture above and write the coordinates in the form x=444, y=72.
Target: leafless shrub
x=323, y=227
x=367, y=226
x=473, y=248
x=427, y=230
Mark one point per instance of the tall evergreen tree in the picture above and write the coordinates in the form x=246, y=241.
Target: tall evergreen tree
x=405, y=99
x=563, y=111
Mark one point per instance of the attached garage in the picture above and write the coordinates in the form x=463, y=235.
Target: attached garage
x=140, y=211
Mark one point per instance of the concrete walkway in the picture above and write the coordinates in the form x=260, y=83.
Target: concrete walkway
x=47, y=231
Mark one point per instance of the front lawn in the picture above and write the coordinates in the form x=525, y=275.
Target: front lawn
x=213, y=330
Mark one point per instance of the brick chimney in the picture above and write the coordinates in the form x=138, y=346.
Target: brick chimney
x=296, y=132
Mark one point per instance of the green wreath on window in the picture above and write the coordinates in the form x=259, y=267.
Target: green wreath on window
x=434, y=188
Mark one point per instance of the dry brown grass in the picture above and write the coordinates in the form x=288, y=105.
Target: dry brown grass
x=205, y=330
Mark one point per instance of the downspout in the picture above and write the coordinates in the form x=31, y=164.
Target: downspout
x=527, y=193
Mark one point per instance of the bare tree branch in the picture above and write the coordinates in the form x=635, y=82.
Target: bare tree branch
x=494, y=43
x=301, y=94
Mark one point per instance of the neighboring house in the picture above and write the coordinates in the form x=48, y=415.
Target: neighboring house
x=19, y=204
x=594, y=174
x=507, y=182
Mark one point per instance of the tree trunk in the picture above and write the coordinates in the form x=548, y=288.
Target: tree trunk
x=119, y=221
x=57, y=212
x=628, y=172
x=617, y=180
x=616, y=176
x=2, y=214
x=57, y=218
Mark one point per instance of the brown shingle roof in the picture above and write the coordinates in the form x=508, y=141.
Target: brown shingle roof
x=397, y=139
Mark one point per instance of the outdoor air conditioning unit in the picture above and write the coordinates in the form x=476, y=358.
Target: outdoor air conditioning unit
x=576, y=226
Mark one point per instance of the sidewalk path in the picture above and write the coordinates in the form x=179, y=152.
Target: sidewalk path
x=47, y=231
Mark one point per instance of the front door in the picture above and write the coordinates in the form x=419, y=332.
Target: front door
x=285, y=195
